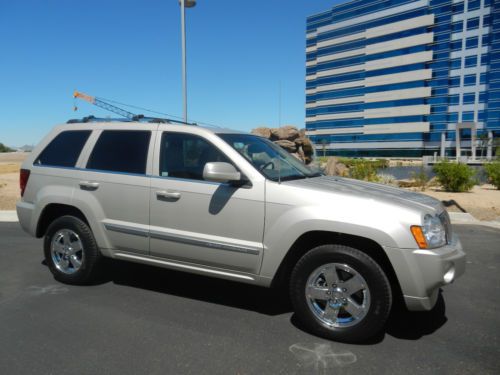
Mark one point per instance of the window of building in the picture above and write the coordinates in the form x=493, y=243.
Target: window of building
x=486, y=39
x=456, y=45
x=458, y=8
x=457, y=26
x=473, y=23
x=472, y=42
x=470, y=61
x=469, y=98
x=185, y=155
x=470, y=80
x=454, y=99
x=123, y=151
x=455, y=81
x=64, y=149
x=456, y=64
x=473, y=5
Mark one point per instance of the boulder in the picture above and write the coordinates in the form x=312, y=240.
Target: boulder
x=335, y=168
x=287, y=145
x=286, y=132
x=262, y=131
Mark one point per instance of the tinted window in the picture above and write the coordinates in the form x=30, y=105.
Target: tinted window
x=185, y=155
x=64, y=149
x=121, y=151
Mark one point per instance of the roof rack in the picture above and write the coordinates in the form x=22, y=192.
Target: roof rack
x=136, y=118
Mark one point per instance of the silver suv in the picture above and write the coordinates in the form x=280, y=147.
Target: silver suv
x=232, y=205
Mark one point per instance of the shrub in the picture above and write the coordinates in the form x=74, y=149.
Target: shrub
x=363, y=171
x=377, y=163
x=421, y=178
x=387, y=179
x=456, y=177
x=4, y=148
x=493, y=173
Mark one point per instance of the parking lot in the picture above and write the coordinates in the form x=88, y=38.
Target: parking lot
x=155, y=321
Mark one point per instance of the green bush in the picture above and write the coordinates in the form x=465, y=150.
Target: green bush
x=363, y=171
x=493, y=173
x=456, y=177
x=376, y=163
x=421, y=178
x=4, y=148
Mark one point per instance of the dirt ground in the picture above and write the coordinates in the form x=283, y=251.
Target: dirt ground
x=9, y=178
x=482, y=202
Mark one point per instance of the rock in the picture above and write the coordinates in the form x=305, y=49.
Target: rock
x=263, y=132
x=335, y=168
x=286, y=132
x=307, y=146
x=287, y=145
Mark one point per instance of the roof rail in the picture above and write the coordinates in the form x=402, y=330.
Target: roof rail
x=137, y=118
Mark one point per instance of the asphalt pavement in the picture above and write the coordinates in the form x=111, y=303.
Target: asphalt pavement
x=146, y=320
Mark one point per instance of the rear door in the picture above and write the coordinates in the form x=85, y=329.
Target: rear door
x=114, y=184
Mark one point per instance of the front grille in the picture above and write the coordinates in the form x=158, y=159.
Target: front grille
x=445, y=220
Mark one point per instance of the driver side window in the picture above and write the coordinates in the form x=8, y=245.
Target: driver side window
x=184, y=155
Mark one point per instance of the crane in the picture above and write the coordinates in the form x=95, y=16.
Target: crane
x=103, y=104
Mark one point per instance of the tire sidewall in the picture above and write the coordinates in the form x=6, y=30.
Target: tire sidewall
x=89, y=249
x=378, y=285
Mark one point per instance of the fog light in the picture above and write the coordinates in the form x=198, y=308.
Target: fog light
x=449, y=276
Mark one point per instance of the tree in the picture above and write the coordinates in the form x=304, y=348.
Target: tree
x=4, y=148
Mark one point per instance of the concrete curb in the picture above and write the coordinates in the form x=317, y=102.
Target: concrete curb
x=8, y=216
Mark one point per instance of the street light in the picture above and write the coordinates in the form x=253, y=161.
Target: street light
x=184, y=4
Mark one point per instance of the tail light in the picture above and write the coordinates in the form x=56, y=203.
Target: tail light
x=24, y=175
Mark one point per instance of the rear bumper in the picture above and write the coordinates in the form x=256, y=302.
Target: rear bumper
x=422, y=272
x=25, y=212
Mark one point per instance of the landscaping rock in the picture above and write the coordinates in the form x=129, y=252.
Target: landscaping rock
x=287, y=145
x=263, y=132
x=286, y=132
x=335, y=168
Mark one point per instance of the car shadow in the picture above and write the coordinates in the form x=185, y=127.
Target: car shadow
x=208, y=289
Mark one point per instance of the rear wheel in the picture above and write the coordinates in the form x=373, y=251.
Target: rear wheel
x=340, y=293
x=71, y=251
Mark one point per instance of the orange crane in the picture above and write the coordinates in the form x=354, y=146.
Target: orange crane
x=103, y=104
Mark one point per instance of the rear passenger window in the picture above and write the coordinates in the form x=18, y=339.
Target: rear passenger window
x=121, y=151
x=64, y=149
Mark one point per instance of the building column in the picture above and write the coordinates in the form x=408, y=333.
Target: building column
x=457, y=142
x=443, y=144
x=473, y=142
x=489, y=150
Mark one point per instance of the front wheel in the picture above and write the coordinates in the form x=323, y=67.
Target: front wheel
x=71, y=251
x=340, y=293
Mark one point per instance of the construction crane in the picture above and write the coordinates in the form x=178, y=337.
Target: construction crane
x=102, y=104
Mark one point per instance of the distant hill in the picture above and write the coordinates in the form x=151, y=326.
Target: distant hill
x=27, y=148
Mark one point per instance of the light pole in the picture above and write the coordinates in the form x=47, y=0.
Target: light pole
x=184, y=4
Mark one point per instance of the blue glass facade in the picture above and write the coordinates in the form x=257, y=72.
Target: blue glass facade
x=395, y=77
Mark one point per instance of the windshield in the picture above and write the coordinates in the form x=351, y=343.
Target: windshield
x=271, y=160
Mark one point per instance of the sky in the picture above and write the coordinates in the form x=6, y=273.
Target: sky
x=241, y=55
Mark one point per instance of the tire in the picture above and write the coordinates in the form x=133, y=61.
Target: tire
x=340, y=293
x=71, y=251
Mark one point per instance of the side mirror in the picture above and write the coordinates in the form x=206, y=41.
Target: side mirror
x=221, y=172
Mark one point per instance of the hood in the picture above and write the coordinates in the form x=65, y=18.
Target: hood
x=368, y=190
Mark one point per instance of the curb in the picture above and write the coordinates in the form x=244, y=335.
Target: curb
x=466, y=218
x=8, y=217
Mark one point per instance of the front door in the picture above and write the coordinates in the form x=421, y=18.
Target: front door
x=196, y=221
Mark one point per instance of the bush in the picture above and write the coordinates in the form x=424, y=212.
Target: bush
x=493, y=173
x=363, y=171
x=4, y=148
x=387, y=179
x=421, y=178
x=456, y=177
x=376, y=163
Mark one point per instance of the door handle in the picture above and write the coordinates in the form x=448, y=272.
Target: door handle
x=88, y=185
x=168, y=194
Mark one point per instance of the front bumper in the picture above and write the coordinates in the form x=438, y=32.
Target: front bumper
x=422, y=272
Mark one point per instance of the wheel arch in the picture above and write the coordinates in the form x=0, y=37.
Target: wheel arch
x=53, y=211
x=309, y=240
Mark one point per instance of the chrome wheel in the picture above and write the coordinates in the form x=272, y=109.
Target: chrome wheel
x=337, y=295
x=67, y=251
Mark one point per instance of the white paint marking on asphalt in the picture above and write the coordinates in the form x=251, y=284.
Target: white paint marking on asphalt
x=8, y=216
x=36, y=290
x=318, y=358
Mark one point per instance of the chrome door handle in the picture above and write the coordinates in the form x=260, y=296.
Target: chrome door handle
x=168, y=194
x=88, y=185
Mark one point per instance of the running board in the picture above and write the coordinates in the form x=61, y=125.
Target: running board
x=179, y=266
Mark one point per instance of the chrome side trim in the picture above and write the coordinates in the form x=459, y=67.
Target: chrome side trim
x=126, y=230
x=181, y=266
x=204, y=243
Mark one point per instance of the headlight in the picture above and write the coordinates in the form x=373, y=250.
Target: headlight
x=431, y=234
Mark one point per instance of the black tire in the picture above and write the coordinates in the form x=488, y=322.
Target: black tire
x=91, y=264
x=380, y=295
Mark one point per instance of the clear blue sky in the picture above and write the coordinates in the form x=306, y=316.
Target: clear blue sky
x=129, y=51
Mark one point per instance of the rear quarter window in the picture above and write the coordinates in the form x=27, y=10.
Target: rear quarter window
x=123, y=151
x=64, y=149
